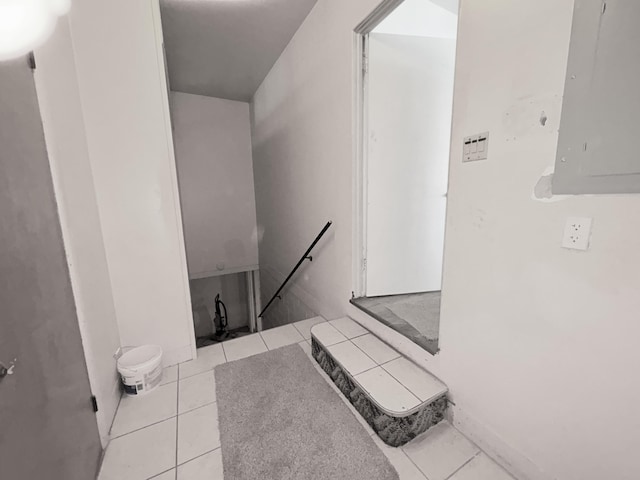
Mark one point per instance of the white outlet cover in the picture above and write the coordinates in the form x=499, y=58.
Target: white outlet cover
x=577, y=233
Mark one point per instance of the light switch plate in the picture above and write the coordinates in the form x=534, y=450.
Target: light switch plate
x=475, y=147
x=577, y=233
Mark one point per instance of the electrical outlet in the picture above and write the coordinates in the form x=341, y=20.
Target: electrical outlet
x=577, y=233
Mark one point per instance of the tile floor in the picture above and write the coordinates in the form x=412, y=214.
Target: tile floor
x=172, y=434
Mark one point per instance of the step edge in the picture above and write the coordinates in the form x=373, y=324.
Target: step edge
x=386, y=410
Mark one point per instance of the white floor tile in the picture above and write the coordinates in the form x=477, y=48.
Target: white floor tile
x=304, y=326
x=169, y=374
x=244, y=347
x=440, y=451
x=281, y=336
x=170, y=475
x=198, y=432
x=348, y=327
x=406, y=469
x=327, y=334
x=387, y=391
x=141, y=454
x=351, y=357
x=481, y=468
x=208, y=358
x=196, y=391
x=139, y=412
x=306, y=347
x=379, y=351
x=206, y=467
x=419, y=382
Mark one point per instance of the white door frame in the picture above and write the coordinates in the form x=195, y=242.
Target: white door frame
x=360, y=106
x=360, y=126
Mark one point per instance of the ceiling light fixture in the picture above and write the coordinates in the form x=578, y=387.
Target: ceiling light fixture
x=26, y=24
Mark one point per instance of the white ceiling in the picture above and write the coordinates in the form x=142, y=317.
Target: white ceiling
x=225, y=48
x=423, y=18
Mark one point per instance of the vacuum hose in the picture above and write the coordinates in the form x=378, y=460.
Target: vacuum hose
x=221, y=320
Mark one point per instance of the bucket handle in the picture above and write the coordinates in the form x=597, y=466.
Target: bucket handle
x=122, y=350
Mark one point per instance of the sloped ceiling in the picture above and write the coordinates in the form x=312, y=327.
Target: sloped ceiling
x=225, y=48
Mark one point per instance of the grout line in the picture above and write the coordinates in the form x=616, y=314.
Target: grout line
x=366, y=354
x=146, y=426
x=206, y=372
x=265, y=344
x=224, y=352
x=161, y=473
x=201, y=455
x=364, y=371
x=200, y=373
x=113, y=420
x=393, y=359
x=327, y=346
x=177, y=420
x=354, y=374
x=262, y=338
x=196, y=408
x=463, y=465
x=361, y=335
x=413, y=463
x=401, y=449
x=405, y=386
x=422, y=402
x=297, y=329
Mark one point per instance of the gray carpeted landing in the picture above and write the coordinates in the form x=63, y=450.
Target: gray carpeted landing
x=415, y=315
x=279, y=420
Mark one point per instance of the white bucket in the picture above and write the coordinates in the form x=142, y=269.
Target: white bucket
x=141, y=369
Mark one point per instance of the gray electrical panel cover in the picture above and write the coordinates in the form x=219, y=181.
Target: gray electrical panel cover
x=599, y=141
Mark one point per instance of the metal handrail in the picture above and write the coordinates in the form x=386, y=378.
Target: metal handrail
x=305, y=256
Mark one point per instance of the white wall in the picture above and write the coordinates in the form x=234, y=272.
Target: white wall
x=61, y=112
x=538, y=344
x=422, y=18
x=213, y=154
x=536, y=339
x=409, y=92
x=302, y=156
x=120, y=66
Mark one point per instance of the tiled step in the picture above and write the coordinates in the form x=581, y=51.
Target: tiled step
x=397, y=398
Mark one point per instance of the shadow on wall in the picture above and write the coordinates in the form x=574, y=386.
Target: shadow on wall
x=288, y=309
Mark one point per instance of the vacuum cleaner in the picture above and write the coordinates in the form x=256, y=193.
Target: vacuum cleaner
x=220, y=322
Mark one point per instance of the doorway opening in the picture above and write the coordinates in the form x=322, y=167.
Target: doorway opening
x=213, y=156
x=405, y=103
